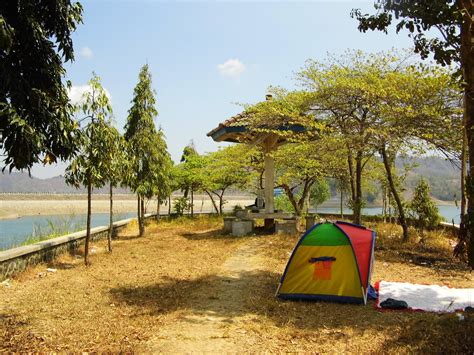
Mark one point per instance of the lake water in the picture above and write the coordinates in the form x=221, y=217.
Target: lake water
x=448, y=212
x=13, y=232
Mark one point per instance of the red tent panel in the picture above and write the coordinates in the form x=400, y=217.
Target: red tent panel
x=361, y=240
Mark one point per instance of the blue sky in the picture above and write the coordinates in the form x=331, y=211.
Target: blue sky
x=205, y=56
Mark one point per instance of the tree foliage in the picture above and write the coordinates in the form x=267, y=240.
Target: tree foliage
x=423, y=208
x=419, y=18
x=35, y=113
x=92, y=165
x=380, y=102
x=148, y=158
x=454, y=21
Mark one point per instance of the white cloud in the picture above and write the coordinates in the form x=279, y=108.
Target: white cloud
x=75, y=93
x=86, y=52
x=232, y=67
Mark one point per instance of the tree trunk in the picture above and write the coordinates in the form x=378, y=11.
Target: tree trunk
x=169, y=206
x=88, y=227
x=111, y=218
x=291, y=197
x=212, y=200
x=393, y=190
x=138, y=212
x=342, y=207
x=357, y=203
x=350, y=164
x=467, y=64
x=460, y=247
x=303, y=203
x=221, y=203
x=142, y=217
x=158, y=208
x=192, y=202
x=389, y=207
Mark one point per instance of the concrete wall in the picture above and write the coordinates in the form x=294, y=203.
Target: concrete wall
x=16, y=260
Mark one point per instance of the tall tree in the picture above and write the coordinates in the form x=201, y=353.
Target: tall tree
x=381, y=103
x=454, y=21
x=146, y=148
x=188, y=184
x=92, y=164
x=35, y=113
x=118, y=167
x=163, y=170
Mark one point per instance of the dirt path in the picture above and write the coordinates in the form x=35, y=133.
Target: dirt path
x=211, y=321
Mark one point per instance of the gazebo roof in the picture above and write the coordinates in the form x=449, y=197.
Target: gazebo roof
x=233, y=129
x=236, y=130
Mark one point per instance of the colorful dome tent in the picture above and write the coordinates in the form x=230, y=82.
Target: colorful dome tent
x=331, y=262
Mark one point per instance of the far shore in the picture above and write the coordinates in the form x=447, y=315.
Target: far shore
x=19, y=207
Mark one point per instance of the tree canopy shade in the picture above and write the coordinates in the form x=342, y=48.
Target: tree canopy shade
x=35, y=113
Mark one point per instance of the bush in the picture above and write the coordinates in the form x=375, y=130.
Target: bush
x=283, y=203
x=182, y=205
x=423, y=209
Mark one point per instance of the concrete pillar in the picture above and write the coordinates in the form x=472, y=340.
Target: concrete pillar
x=269, y=183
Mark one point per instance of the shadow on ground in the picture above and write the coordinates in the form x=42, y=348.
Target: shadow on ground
x=253, y=293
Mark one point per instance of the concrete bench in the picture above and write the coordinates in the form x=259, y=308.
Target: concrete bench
x=228, y=224
x=286, y=227
x=241, y=227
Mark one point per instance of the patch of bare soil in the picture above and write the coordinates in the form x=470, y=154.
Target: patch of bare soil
x=214, y=311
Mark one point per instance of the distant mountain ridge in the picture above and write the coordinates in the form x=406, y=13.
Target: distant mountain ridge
x=21, y=182
x=443, y=177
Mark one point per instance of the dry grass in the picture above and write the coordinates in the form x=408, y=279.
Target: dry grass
x=149, y=289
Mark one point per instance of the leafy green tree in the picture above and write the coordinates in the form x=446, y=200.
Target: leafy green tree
x=343, y=96
x=283, y=203
x=381, y=102
x=423, y=208
x=454, y=21
x=188, y=183
x=163, y=170
x=91, y=165
x=181, y=205
x=35, y=113
x=147, y=153
x=300, y=166
x=223, y=169
x=118, y=167
x=319, y=193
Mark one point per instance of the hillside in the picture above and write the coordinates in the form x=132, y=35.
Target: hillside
x=443, y=177
x=21, y=182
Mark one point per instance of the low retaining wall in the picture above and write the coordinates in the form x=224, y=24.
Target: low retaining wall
x=16, y=260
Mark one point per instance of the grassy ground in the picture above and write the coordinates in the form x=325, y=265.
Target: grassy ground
x=185, y=287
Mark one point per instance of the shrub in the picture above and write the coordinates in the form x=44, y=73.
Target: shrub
x=182, y=205
x=423, y=209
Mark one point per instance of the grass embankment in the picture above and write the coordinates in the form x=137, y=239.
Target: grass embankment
x=186, y=287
